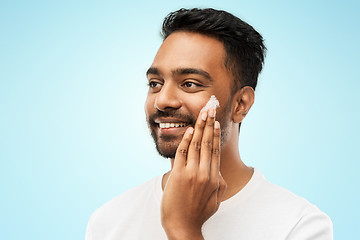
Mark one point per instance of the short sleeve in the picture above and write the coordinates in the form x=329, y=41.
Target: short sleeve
x=313, y=225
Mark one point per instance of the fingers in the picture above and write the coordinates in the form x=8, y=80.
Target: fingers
x=182, y=150
x=215, y=156
x=195, y=144
x=218, y=184
x=215, y=164
x=207, y=142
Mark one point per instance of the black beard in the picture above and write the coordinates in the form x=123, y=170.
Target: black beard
x=168, y=151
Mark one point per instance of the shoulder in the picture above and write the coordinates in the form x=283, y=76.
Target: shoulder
x=125, y=208
x=130, y=197
x=303, y=219
x=312, y=224
x=263, y=210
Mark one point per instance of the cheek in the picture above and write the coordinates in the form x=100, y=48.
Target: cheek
x=224, y=112
x=196, y=104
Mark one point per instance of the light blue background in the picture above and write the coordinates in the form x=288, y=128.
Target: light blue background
x=72, y=91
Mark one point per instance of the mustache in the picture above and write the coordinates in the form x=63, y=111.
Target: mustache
x=173, y=114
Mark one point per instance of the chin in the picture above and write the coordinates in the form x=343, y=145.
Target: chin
x=167, y=149
x=166, y=145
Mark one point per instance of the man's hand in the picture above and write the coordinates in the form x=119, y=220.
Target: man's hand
x=195, y=186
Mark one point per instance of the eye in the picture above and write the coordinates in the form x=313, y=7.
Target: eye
x=190, y=85
x=154, y=84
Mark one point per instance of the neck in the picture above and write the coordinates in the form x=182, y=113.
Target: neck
x=235, y=173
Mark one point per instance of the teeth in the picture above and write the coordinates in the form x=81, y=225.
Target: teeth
x=171, y=125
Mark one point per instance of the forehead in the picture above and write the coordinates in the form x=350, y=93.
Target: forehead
x=186, y=49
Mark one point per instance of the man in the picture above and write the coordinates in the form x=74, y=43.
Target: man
x=209, y=193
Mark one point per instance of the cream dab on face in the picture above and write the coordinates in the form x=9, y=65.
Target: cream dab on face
x=212, y=103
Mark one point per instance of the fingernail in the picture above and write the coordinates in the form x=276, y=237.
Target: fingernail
x=212, y=112
x=203, y=116
x=217, y=125
x=190, y=130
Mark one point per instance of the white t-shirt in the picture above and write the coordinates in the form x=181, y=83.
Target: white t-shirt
x=260, y=211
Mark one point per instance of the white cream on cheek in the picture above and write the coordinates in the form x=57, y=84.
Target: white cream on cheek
x=212, y=103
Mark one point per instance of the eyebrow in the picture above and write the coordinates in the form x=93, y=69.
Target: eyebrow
x=182, y=71
x=152, y=70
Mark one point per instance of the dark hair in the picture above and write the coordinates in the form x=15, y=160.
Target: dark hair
x=245, y=50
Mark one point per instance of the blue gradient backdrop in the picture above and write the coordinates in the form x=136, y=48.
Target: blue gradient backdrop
x=72, y=91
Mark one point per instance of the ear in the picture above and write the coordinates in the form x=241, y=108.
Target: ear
x=242, y=102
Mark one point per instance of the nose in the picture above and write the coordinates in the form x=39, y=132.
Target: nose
x=167, y=98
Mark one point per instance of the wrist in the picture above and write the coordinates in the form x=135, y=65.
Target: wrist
x=183, y=233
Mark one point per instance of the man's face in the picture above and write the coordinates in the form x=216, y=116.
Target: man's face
x=187, y=69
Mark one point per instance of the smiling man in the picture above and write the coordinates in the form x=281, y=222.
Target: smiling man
x=209, y=193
